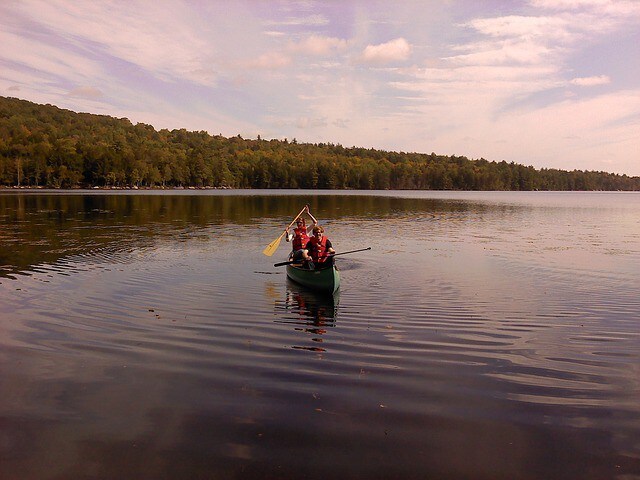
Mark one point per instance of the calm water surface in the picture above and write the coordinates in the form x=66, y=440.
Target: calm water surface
x=484, y=336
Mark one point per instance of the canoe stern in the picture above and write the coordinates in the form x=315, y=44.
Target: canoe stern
x=325, y=280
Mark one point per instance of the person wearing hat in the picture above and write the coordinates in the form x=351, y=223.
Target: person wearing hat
x=300, y=235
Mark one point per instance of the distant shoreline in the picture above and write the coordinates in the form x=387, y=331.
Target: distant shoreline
x=24, y=187
x=4, y=188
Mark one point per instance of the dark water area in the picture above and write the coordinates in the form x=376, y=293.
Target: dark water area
x=485, y=336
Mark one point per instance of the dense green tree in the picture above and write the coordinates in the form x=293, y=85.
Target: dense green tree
x=42, y=145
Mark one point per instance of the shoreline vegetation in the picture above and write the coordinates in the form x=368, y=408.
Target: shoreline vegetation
x=15, y=188
x=114, y=187
x=45, y=147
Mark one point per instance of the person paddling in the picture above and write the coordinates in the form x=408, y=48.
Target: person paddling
x=318, y=250
x=300, y=235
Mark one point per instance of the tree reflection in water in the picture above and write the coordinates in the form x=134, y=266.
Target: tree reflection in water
x=309, y=312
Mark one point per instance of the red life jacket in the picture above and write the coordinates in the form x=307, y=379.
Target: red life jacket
x=300, y=238
x=319, y=251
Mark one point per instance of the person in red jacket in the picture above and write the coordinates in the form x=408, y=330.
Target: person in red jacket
x=317, y=253
x=300, y=235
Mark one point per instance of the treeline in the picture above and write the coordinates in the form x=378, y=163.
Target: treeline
x=45, y=146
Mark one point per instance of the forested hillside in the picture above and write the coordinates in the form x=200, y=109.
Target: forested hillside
x=42, y=145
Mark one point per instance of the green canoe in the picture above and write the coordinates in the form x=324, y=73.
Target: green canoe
x=324, y=280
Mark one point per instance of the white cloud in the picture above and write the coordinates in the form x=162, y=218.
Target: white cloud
x=610, y=7
x=555, y=33
x=269, y=61
x=47, y=59
x=311, y=20
x=598, y=13
x=591, y=81
x=503, y=52
x=522, y=26
x=517, y=40
x=385, y=53
x=133, y=35
x=569, y=4
x=319, y=46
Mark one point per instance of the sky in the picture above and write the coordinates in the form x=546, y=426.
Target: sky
x=547, y=83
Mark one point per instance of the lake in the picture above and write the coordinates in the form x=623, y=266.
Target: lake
x=485, y=335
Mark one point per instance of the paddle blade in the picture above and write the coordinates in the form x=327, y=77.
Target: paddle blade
x=273, y=246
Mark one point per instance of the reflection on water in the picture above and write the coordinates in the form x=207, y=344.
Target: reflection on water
x=485, y=335
x=309, y=312
x=44, y=229
x=47, y=228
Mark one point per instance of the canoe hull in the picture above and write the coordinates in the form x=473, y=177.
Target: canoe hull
x=326, y=280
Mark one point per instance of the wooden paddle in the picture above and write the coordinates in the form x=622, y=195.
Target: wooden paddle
x=328, y=256
x=273, y=246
